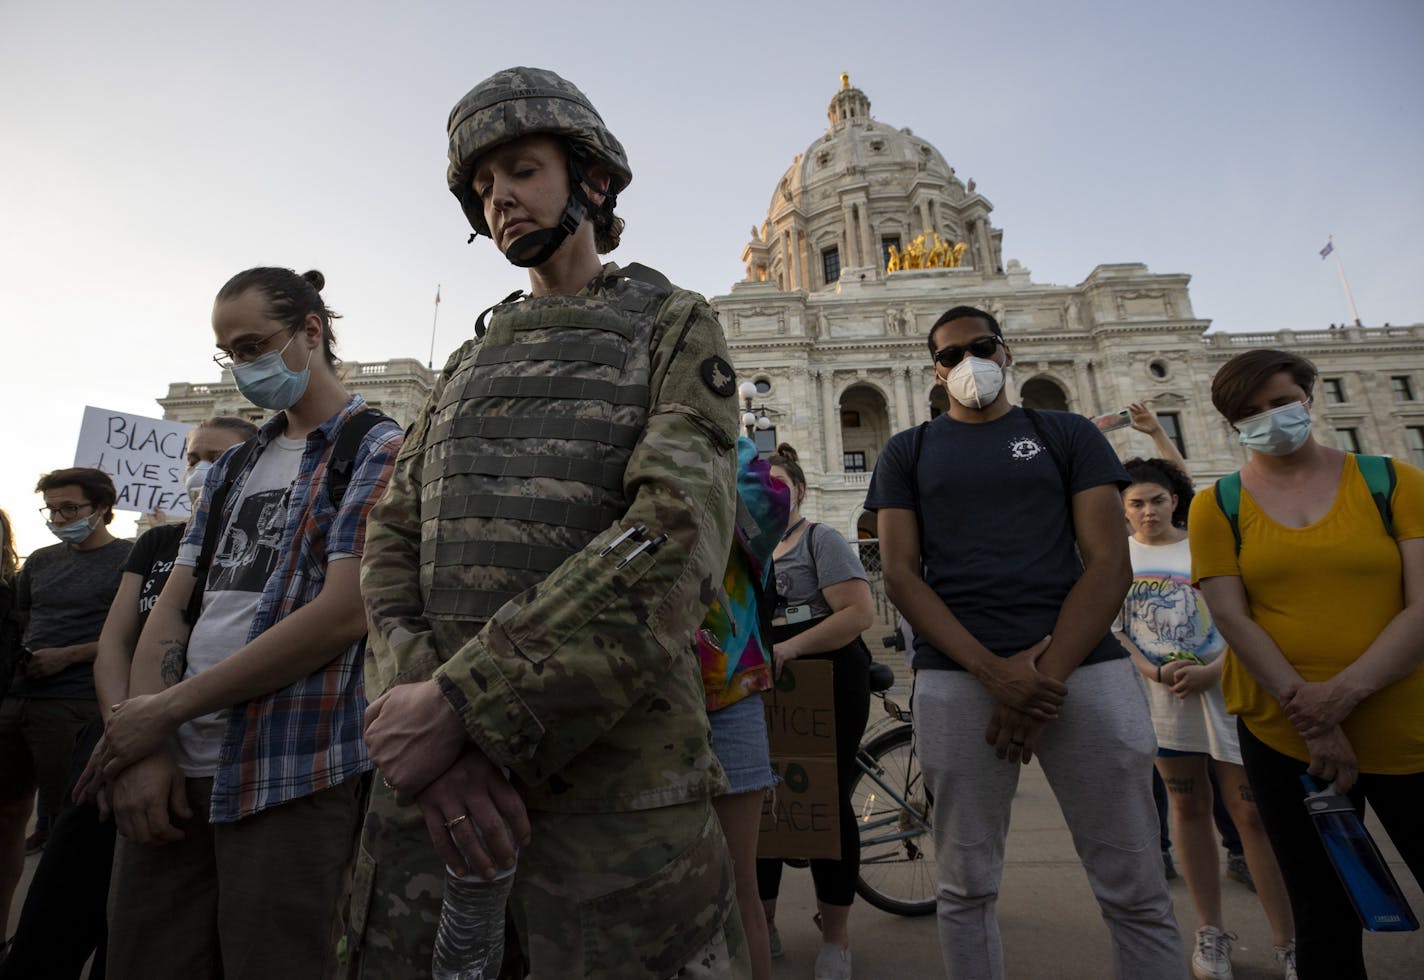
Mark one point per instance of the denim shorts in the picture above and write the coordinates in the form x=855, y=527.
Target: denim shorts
x=739, y=741
x=1179, y=754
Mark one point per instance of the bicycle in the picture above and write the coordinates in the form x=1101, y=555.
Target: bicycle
x=893, y=806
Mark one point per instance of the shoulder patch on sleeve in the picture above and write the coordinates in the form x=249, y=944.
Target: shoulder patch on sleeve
x=718, y=375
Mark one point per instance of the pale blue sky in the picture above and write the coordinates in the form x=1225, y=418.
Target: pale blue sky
x=153, y=149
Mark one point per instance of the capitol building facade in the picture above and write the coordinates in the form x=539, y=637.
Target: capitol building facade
x=869, y=237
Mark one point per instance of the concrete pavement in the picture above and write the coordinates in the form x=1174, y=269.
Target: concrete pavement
x=1048, y=917
x=1049, y=920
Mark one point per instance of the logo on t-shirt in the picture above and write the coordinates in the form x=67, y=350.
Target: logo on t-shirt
x=1024, y=448
x=252, y=543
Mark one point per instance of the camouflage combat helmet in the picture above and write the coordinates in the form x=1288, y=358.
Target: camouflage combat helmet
x=517, y=102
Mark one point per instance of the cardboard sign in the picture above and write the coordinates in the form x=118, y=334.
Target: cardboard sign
x=143, y=455
x=801, y=818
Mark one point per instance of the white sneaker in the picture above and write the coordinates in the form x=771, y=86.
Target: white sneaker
x=1212, y=959
x=832, y=963
x=1285, y=959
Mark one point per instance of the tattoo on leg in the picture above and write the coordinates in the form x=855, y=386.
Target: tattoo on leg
x=1182, y=785
x=1245, y=790
x=175, y=661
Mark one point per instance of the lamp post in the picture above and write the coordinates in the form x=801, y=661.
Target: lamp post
x=752, y=418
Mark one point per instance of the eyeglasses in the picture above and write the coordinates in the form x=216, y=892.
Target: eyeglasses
x=64, y=512
x=981, y=347
x=246, y=350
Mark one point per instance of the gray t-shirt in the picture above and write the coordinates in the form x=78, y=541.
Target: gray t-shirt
x=67, y=592
x=247, y=554
x=820, y=557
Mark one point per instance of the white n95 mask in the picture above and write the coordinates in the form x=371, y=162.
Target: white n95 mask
x=975, y=382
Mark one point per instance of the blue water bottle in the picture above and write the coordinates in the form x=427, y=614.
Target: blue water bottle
x=1377, y=898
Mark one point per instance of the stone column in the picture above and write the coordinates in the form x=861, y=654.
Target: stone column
x=831, y=422
x=851, y=240
x=1085, y=404
x=810, y=264
x=867, y=236
x=1012, y=383
x=793, y=254
x=903, y=418
x=921, y=401
x=985, y=246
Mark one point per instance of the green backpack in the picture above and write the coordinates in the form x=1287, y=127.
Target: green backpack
x=1378, y=472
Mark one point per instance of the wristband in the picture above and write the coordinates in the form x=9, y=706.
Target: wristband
x=1159, y=673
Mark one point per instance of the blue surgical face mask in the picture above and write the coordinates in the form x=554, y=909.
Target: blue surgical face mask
x=1278, y=432
x=196, y=476
x=76, y=533
x=267, y=382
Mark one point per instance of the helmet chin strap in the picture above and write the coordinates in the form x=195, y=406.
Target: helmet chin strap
x=536, y=247
x=539, y=245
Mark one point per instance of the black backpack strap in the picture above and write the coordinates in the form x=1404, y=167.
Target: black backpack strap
x=212, y=532
x=1035, y=419
x=339, y=467
x=917, y=446
x=343, y=455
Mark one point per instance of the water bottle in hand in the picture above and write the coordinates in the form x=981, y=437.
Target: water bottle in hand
x=469, y=945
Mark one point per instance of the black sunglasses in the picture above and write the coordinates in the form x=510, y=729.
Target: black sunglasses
x=982, y=348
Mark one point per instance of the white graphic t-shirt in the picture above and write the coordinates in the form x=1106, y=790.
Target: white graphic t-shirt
x=247, y=554
x=1167, y=619
x=1163, y=614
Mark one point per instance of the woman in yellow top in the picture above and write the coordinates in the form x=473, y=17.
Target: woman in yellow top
x=1324, y=614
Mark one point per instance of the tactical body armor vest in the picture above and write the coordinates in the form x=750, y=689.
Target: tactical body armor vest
x=527, y=447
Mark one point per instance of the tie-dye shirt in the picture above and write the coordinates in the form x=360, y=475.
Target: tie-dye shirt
x=736, y=657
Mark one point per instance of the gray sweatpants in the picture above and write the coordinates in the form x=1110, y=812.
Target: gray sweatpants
x=1097, y=756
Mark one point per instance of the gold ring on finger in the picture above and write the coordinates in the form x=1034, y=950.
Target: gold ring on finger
x=450, y=824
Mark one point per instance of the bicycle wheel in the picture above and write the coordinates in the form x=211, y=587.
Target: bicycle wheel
x=892, y=807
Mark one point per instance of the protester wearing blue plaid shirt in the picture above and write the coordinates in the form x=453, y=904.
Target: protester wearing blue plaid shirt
x=237, y=765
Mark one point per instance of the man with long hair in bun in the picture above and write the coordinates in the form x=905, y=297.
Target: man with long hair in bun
x=236, y=765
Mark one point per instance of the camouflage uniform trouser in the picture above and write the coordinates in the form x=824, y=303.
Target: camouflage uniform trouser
x=642, y=895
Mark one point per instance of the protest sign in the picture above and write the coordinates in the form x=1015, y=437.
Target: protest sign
x=801, y=818
x=143, y=455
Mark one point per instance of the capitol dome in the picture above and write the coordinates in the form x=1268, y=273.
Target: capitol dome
x=859, y=189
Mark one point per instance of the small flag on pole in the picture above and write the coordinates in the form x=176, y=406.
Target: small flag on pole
x=437, y=295
x=1329, y=247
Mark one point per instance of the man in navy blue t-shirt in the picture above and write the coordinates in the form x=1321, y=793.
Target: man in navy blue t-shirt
x=1004, y=547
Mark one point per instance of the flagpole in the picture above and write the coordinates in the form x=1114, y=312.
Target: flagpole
x=1345, y=282
x=433, y=320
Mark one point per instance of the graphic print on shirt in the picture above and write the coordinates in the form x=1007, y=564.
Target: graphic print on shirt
x=1024, y=448
x=251, y=544
x=153, y=584
x=1165, y=618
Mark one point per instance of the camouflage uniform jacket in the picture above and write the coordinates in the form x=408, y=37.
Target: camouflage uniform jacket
x=501, y=563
